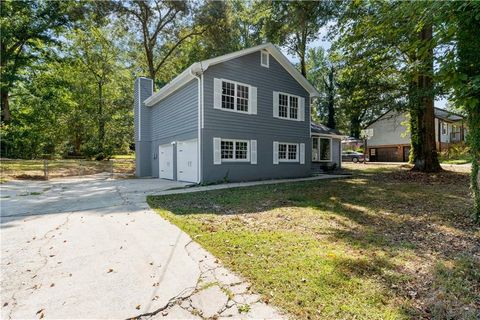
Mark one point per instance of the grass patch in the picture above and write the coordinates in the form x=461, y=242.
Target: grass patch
x=371, y=247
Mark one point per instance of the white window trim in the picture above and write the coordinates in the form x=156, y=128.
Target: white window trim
x=267, y=65
x=297, y=156
x=288, y=107
x=319, y=156
x=235, y=97
x=234, y=149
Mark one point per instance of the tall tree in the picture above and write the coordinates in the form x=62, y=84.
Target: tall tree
x=161, y=27
x=322, y=74
x=386, y=35
x=422, y=114
x=27, y=28
x=462, y=73
x=294, y=24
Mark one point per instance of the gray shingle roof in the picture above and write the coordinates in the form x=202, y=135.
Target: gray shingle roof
x=323, y=129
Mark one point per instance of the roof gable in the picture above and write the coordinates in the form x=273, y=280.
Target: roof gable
x=199, y=67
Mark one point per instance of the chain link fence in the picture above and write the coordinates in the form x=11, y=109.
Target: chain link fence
x=47, y=169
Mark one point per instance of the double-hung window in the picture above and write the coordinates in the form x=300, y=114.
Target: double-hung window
x=288, y=106
x=288, y=152
x=322, y=149
x=235, y=150
x=235, y=96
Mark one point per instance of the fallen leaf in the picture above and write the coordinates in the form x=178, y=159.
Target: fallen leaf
x=137, y=307
x=40, y=311
x=5, y=304
x=52, y=285
x=110, y=270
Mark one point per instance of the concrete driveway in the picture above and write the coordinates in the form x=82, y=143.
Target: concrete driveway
x=91, y=248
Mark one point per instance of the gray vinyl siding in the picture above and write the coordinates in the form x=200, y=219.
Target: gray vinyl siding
x=174, y=119
x=142, y=90
x=262, y=127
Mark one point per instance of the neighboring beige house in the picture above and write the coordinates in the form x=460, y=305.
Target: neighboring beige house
x=390, y=139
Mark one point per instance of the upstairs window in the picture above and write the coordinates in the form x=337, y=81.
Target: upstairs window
x=288, y=106
x=265, y=59
x=234, y=96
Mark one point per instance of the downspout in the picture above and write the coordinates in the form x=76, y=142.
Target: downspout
x=199, y=124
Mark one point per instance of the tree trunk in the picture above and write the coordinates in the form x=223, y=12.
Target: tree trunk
x=425, y=152
x=469, y=95
x=6, y=117
x=331, y=100
x=101, y=118
x=355, y=127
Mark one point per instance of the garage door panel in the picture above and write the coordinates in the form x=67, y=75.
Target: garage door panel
x=187, y=161
x=165, y=159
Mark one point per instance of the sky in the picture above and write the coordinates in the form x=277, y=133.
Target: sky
x=323, y=42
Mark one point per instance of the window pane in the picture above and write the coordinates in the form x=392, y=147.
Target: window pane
x=242, y=98
x=241, y=150
x=315, y=149
x=282, y=151
x=228, y=95
x=325, y=149
x=283, y=105
x=227, y=149
x=293, y=107
x=292, y=152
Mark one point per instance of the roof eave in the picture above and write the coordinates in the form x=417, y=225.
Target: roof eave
x=200, y=67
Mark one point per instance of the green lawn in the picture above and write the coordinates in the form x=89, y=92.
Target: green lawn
x=383, y=244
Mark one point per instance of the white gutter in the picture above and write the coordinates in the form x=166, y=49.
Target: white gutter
x=199, y=138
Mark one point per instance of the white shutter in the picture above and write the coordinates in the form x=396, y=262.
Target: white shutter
x=302, y=153
x=253, y=151
x=275, y=104
x=217, y=93
x=275, y=152
x=217, y=156
x=253, y=100
x=301, y=109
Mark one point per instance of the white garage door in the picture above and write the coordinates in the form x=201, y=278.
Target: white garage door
x=187, y=167
x=165, y=159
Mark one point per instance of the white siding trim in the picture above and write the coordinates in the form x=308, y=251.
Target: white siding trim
x=275, y=152
x=217, y=93
x=253, y=151
x=302, y=153
x=252, y=100
x=275, y=104
x=217, y=156
x=139, y=111
x=301, y=109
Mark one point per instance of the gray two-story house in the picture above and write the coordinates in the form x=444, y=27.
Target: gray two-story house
x=238, y=117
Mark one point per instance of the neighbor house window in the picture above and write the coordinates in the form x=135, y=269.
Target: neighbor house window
x=265, y=59
x=288, y=106
x=235, y=96
x=235, y=150
x=444, y=128
x=288, y=152
x=321, y=149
